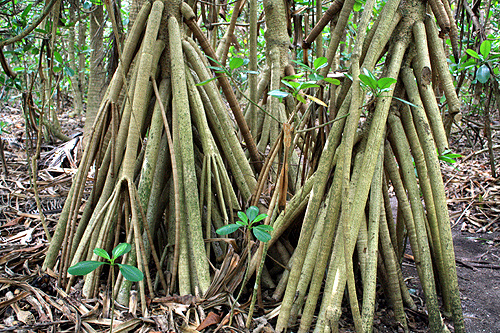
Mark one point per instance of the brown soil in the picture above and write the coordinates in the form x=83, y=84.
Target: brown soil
x=478, y=270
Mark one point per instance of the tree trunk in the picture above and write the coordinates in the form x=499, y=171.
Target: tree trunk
x=97, y=70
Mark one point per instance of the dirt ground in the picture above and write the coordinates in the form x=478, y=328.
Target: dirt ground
x=478, y=271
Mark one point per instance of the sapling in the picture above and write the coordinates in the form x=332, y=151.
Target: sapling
x=248, y=220
x=129, y=272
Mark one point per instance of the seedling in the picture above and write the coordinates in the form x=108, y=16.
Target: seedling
x=368, y=80
x=449, y=157
x=3, y=127
x=129, y=272
x=249, y=220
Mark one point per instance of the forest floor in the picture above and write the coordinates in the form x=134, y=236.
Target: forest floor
x=473, y=199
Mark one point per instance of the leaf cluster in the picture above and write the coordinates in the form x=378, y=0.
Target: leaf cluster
x=294, y=85
x=449, y=157
x=129, y=272
x=483, y=62
x=249, y=220
x=369, y=81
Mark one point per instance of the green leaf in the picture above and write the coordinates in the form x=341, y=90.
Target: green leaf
x=315, y=77
x=260, y=217
x=304, y=66
x=369, y=74
x=102, y=253
x=206, y=81
x=369, y=82
x=131, y=273
x=320, y=63
x=485, y=48
x=26, y=10
x=385, y=82
x=243, y=217
x=241, y=223
x=218, y=69
x=227, y=229
x=252, y=213
x=277, y=93
x=293, y=77
x=235, y=63
x=332, y=81
x=447, y=159
x=261, y=234
x=265, y=227
x=292, y=84
x=301, y=99
x=472, y=53
x=69, y=72
x=357, y=6
x=406, y=102
x=121, y=249
x=448, y=153
x=84, y=267
x=306, y=85
x=483, y=74
x=58, y=57
x=215, y=61
x=471, y=62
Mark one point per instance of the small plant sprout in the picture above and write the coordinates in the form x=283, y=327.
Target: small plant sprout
x=3, y=127
x=248, y=220
x=377, y=87
x=261, y=232
x=368, y=80
x=449, y=157
x=129, y=272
